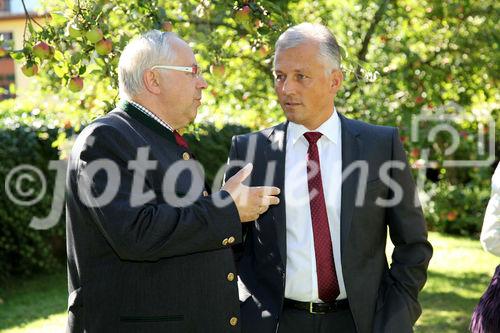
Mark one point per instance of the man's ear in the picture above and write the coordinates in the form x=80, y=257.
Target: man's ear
x=151, y=81
x=336, y=79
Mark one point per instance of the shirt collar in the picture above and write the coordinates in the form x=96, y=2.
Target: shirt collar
x=149, y=113
x=330, y=129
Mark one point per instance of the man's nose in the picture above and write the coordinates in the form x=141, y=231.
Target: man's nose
x=288, y=87
x=202, y=84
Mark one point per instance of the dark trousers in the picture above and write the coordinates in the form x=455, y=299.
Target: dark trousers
x=300, y=321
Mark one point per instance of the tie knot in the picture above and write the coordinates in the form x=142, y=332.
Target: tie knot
x=312, y=137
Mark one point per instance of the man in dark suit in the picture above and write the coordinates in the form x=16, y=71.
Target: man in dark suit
x=148, y=246
x=316, y=262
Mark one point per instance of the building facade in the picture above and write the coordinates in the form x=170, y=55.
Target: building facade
x=12, y=30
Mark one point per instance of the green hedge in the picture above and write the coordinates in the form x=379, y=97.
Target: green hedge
x=211, y=146
x=457, y=209
x=23, y=250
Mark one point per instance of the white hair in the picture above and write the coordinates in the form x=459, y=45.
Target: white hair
x=329, y=51
x=149, y=49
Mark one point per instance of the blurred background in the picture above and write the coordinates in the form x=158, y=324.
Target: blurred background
x=428, y=67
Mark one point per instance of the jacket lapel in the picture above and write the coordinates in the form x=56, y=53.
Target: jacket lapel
x=275, y=153
x=351, y=147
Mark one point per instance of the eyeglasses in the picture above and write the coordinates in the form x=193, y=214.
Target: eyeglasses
x=194, y=70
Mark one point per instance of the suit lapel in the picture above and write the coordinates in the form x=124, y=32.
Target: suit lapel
x=275, y=153
x=351, y=147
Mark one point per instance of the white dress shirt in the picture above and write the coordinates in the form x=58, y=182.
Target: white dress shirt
x=490, y=234
x=301, y=277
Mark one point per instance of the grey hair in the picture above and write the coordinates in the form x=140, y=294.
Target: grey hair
x=141, y=53
x=329, y=51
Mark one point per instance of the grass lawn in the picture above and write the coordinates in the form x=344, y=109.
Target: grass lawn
x=459, y=273
x=34, y=305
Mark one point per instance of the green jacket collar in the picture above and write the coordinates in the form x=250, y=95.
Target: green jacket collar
x=147, y=121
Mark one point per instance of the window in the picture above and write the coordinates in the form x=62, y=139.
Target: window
x=7, y=69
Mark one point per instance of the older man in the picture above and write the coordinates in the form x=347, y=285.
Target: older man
x=316, y=262
x=148, y=246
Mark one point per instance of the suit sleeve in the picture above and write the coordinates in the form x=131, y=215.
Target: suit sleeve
x=412, y=251
x=233, y=158
x=155, y=229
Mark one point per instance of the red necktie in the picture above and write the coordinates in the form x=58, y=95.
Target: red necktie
x=180, y=140
x=328, y=286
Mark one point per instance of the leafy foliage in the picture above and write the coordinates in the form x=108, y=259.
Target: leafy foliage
x=23, y=250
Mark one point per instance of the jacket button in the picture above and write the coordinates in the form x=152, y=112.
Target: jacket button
x=224, y=242
x=230, y=277
x=231, y=240
x=185, y=156
x=233, y=321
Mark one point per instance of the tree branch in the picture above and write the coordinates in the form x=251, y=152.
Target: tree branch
x=366, y=41
x=28, y=16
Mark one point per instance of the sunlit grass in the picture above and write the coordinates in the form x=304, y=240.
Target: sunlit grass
x=459, y=273
x=34, y=305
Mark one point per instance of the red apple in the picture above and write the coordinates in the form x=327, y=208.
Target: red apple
x=94, y=35
x=263, y=51
x=419, y=100
x=415, y=152
x=75, y=84
x=217, y=70
x=452, y=216
x=104, y=46
x=41, y=50
x=167, y=26
x=243, y=14
x=29, y=70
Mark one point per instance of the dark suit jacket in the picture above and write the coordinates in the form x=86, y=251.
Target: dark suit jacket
x=381, y=299
x=156, y=267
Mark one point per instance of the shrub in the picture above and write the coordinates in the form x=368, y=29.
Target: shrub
x=457, y=209
x=211, y=146
x=24, y=250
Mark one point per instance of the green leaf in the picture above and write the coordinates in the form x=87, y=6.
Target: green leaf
x=82, y=70
x=58, y=55
x=58, y=18
x=75, y=58
x=31, y=29
x=17, y=55
x=92, y=67
x=60, y=70
x=70, y=3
